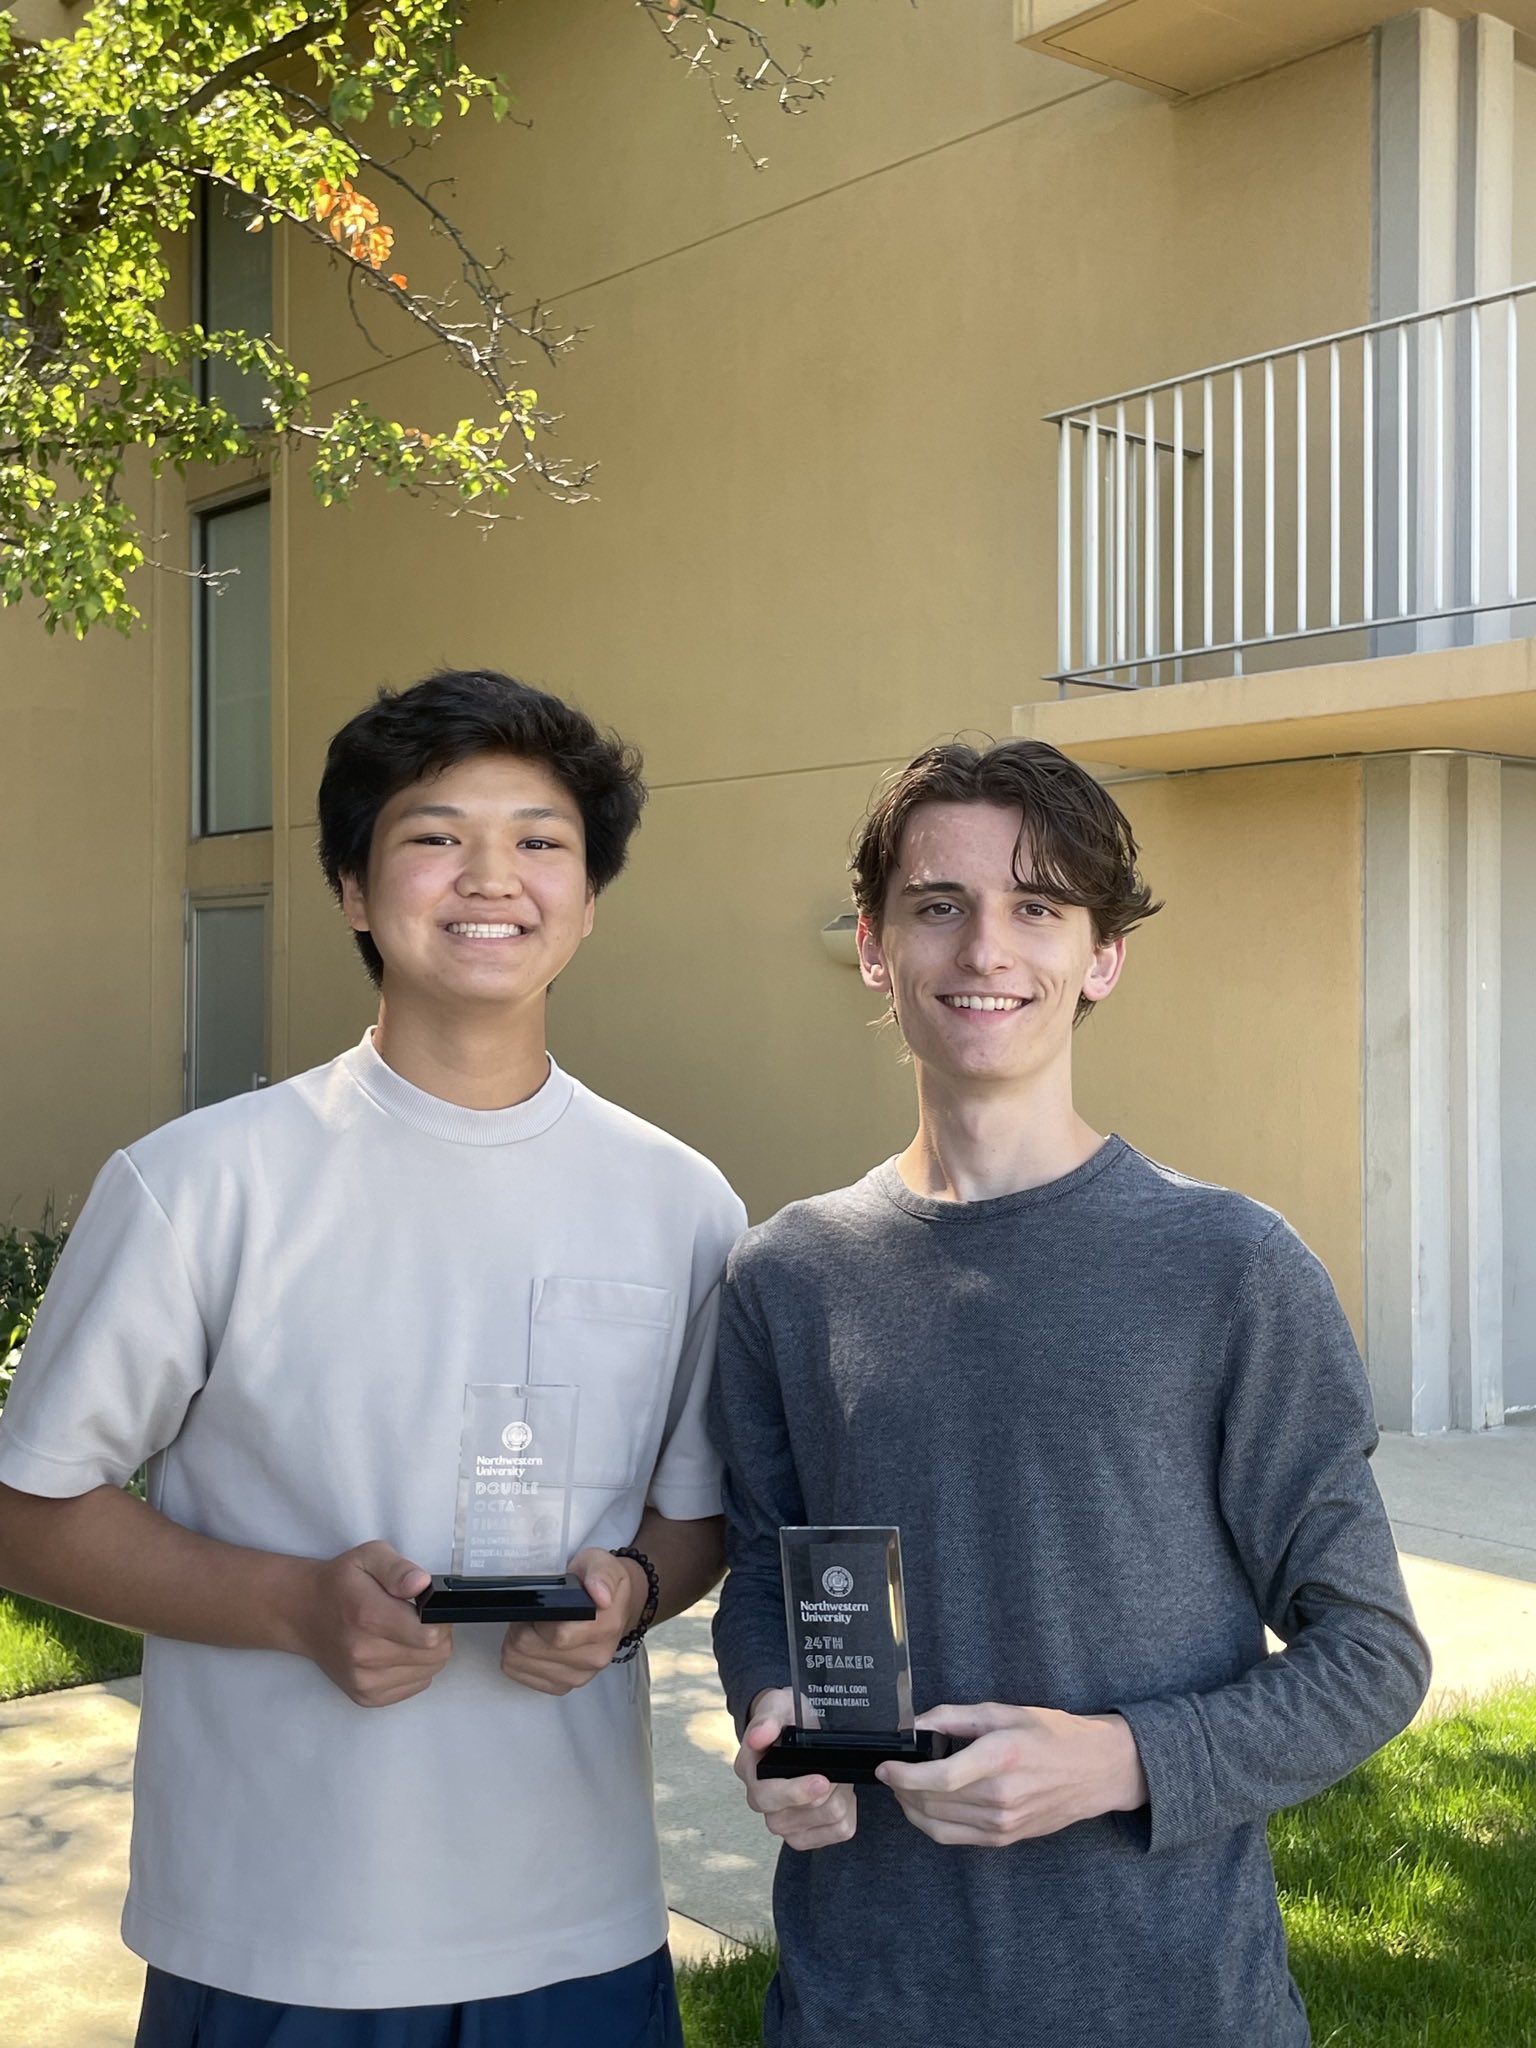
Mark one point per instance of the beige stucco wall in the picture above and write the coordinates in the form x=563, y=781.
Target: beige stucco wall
x=1231, y=1048
x=93, y=825
x=75, y=909
x=824, y=534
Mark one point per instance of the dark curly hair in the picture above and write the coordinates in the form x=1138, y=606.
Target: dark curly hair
x=1075, y=843
x=409, y=735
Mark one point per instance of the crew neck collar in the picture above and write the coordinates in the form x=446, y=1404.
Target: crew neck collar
x=887, y=1179
x=451, y=1121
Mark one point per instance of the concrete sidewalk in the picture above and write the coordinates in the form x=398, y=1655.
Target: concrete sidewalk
x=1464, y=1510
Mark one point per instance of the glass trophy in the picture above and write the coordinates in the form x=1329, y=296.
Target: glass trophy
x=851, y=1669
x=512, y=1525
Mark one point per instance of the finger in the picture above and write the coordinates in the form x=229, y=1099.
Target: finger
x=392, y=1681
x=947, y=1834
x=563, y=1636
x=387, y=1568
x=944, y=1774
x=988, y=1823
x=986, y=1757
x=538, y=1681
x=391, y=1696
x=981, y=1719
x=397, y=1623
x=814, y=1838
x=550, y=1677
x=789, y=1795
x=954, y=1834
x=820, y=1838
x=833, y=1822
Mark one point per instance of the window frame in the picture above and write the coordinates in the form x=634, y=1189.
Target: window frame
x=233, y=500
x=193, y=900
x=201, y=281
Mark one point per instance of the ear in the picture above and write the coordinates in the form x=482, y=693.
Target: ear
x=590, y=912
x=872, y=961
x=1104, y=970
x=354, y=904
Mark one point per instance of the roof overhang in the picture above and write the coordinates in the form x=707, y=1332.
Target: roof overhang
x=1183, y=47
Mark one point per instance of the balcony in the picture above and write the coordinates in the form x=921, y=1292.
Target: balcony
x=1329, y=547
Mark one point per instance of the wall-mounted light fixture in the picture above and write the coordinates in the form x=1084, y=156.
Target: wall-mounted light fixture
x=839, y=936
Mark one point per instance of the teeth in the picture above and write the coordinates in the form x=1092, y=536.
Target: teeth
x=487, y=931
x=984, y=1002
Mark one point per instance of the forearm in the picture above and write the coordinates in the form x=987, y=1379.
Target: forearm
x=1295, y=1723
x=689, y=1558
x=106, y=1554
x=750, y=1639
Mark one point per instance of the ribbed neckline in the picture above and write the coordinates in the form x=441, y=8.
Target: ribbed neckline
x=450, y=1121
x=887, y=1179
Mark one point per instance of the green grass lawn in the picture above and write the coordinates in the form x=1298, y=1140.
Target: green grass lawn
x=1409, y=1894
x=1410, y=1889
x=42, y=1648
x=722, y=1999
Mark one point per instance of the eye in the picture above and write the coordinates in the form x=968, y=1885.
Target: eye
x=541, y=845
x=938, y=912
x=433, y=839
x=1038, y=910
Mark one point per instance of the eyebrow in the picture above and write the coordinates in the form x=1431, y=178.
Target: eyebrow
x=522, y=813
x=960, y=889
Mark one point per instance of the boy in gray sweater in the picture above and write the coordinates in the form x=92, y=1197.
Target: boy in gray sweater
x=1121, y=1422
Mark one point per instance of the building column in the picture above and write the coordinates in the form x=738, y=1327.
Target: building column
x=1433, y=1177
x=1444, y=231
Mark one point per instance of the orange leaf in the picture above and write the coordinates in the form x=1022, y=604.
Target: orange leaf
x=397, y=280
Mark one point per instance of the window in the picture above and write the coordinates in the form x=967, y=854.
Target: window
x=226, y=996
x=233, y=669
x=234, y=277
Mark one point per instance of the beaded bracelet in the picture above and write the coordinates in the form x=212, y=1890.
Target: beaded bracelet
x=630, y=1643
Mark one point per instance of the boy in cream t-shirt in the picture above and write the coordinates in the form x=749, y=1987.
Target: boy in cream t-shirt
x=353, y=1827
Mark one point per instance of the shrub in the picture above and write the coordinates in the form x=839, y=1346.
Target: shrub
x=27, y=1258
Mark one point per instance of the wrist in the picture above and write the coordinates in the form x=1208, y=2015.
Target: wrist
x=1120, y=1779
x=286, y=1602
x=634, y=1635
x=639, y=1591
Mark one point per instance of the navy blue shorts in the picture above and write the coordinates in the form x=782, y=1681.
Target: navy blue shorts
x=635, y=2007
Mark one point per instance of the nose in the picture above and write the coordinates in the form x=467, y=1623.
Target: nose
x=986, y=947
x=491, y=868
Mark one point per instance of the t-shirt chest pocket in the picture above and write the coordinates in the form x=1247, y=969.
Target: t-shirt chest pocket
x=611, y=1340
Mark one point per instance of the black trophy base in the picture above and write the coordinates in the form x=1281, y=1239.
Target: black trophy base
x=847, y=1759
x=449, y=1598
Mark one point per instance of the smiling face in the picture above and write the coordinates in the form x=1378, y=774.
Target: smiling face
x=477, y=890
x=984, y=972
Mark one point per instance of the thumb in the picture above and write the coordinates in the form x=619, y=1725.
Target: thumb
x=769, y=1720
x=396, y=1574
x=602, y=1574
x=980, y=1719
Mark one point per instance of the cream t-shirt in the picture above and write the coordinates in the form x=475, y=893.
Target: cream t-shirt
x=278, y=1303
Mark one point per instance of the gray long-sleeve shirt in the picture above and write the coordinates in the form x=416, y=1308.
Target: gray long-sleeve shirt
x=1122, y=1424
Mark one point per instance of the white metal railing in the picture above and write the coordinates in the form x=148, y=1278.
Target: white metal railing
x=1364, y=483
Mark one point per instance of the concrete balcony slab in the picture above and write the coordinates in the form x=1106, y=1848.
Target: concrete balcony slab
x=1473, y=699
